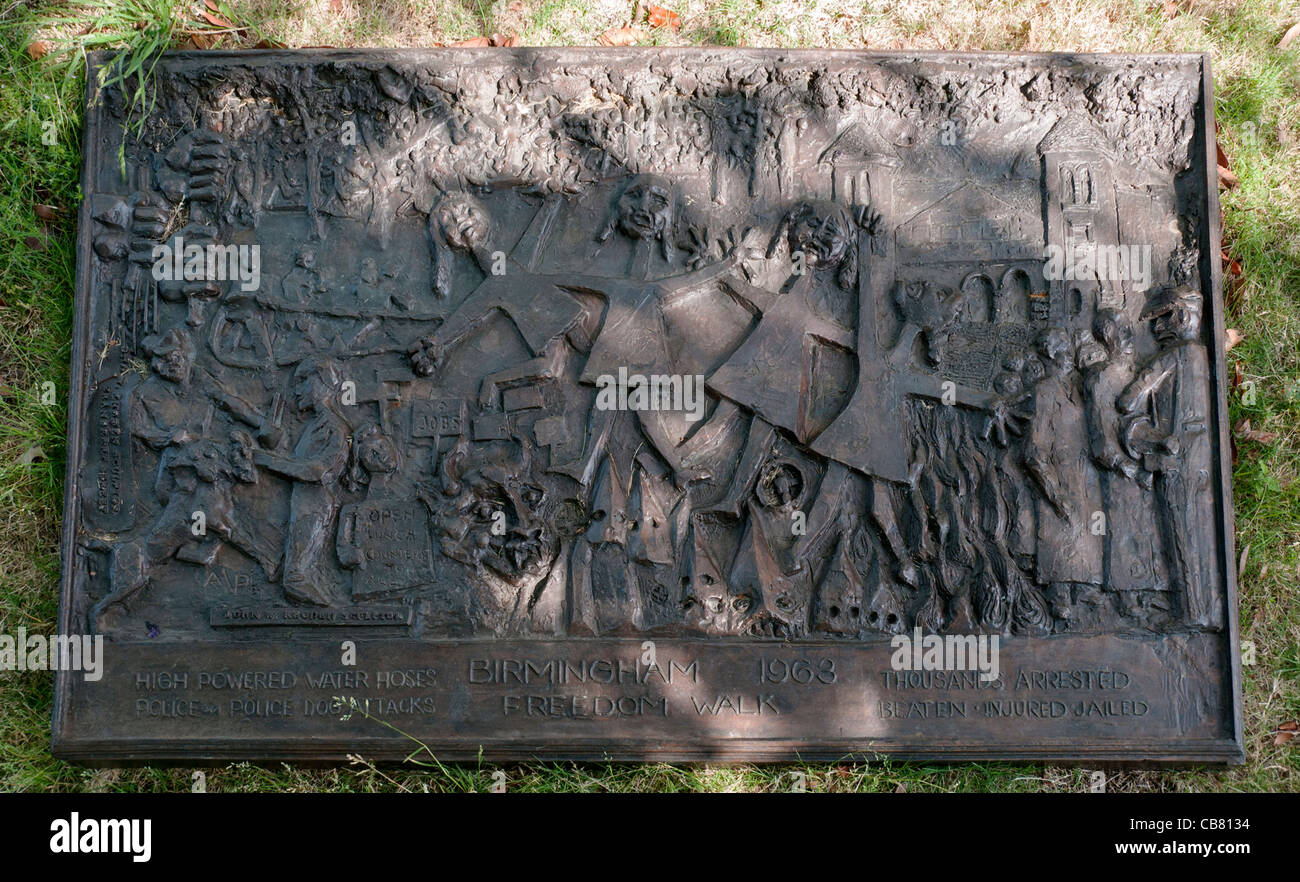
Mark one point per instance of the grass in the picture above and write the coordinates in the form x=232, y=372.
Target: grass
x=1257, y=87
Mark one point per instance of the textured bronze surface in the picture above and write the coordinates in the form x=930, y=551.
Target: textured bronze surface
x=651, y=404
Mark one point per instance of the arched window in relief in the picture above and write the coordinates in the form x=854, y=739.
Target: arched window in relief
x=1076, y=302
x=1076, y=184
x=1013, y=297
x=977, y=296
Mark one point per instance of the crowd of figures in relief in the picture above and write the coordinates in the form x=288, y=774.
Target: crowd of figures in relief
x=904, y=420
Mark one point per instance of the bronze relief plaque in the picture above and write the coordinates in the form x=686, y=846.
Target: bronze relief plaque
x=672, y=404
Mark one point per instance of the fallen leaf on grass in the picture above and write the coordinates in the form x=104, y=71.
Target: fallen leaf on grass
x=1232, y=338
x=38, y=49
x=658, y=17
x=504, y=40
x=1227, y=180
x=46, y=212
x=1286, y=732
x=1289, y=37
x=211, y=17
x=1232, y=280
x=1245, y=432
x=472, y=43
x=31, y=455
x=36, y=243
x=1231, y=266
x=336, y=6
x=1238, y=374
x=624, y=36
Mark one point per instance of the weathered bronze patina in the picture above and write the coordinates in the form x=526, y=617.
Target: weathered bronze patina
x=674, y=404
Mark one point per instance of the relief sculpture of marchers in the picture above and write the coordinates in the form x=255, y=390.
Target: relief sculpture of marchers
x=619, y=403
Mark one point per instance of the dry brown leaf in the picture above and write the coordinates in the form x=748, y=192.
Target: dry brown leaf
x=1289, y=37
x=1286, y=732
x=1231, y=338
x=1227, y=180
x=1235, y=285
x=38, y=48
x=46, y=212
x=336, y=6
x=472, y=43
x=200, y=41
x=1246, y=432
x=1238, y=374
x=36, y=243
x=213, y=16
x=658, y=17
x=1231, y=267
x=624, y=36
x=215, y=20
x=31, y=455
x=504, y=40
x=901, y=788
x=1222, y=157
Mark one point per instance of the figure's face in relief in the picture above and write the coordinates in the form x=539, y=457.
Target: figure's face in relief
x=174, y=357
x=464, y=223
x=378, y=457
x=311, y=387
x=643, y=209
x=822, y=236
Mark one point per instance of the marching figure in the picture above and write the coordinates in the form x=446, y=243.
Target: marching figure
x=315, y=467
x=1167, y=410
